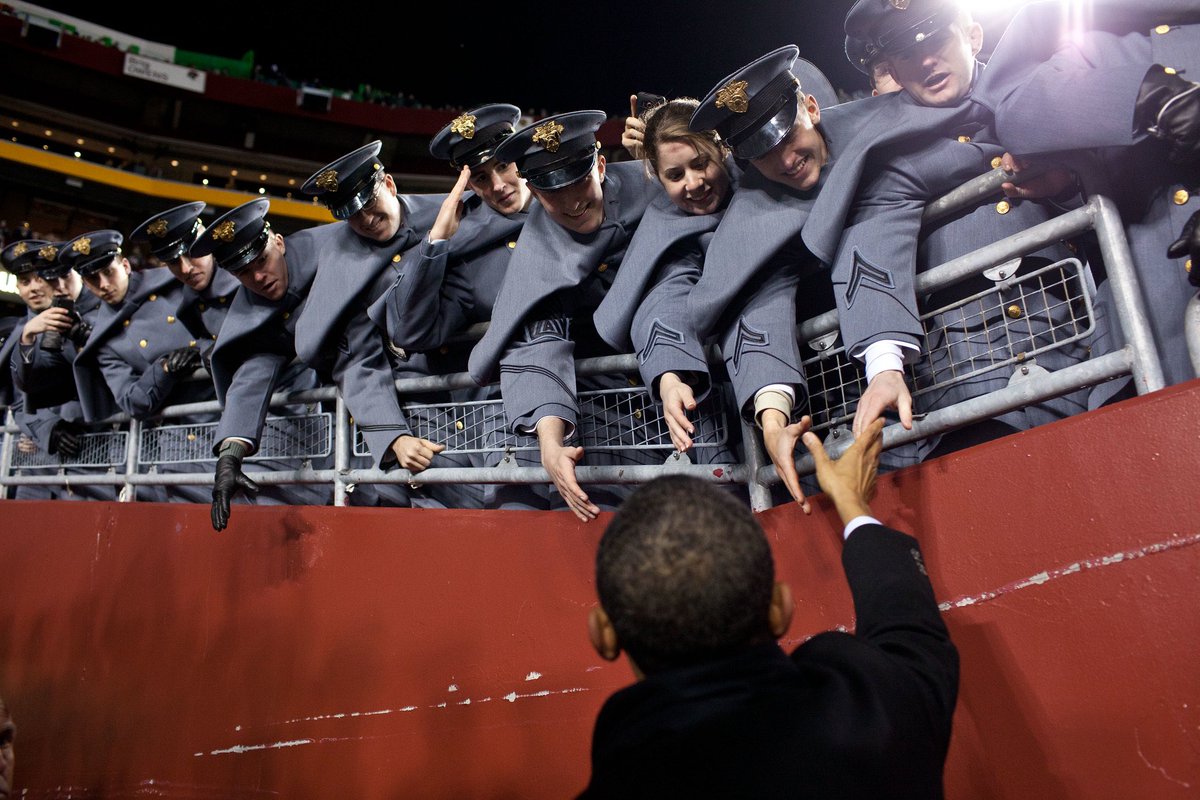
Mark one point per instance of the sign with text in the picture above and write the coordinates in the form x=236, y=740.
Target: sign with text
x=162, y=72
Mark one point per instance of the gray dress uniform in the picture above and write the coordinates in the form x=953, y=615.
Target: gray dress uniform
x=254, y=357
x=43, y=382
x=554, y=276
x=454, y=283
x=1096, y=79
x=337, y=336
x=130, y=344
x=645, y=310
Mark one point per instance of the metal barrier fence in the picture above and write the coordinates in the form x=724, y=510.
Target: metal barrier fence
x=1045, y=310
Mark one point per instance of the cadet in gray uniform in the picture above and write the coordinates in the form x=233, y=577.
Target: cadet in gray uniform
x=646, y=308
x=40, y=352
x=144, y=355
x=337, y=336
x=871, y=63
x=436, y=296
x=1131, y=80
x=564, y=262
x=930, y=46
x=255, y=353
x=771, y=113
x=207, y=291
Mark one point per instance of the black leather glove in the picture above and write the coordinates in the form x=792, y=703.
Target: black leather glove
x=1188, y=244
x=66, y=439
x=182, y=362
x=228, y=479
x=1168, y=108
x=79, y=333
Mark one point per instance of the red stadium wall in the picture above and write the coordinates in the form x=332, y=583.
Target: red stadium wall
x=319, y=652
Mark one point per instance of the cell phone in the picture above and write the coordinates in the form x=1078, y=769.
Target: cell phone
x=647, y=101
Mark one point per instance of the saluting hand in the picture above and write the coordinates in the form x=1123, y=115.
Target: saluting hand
x=635, y=130
x=414, y=453
x=451, y=212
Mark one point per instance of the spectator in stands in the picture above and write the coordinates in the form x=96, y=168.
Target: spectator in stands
x=8, y=756
x=455, y=278
x=646, y=308
x=336, y=336
x=255, y=349
x=565, y=259
x=685, y=579
x=40, y=353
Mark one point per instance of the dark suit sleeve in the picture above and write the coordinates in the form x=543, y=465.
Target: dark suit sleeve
x=897, y=613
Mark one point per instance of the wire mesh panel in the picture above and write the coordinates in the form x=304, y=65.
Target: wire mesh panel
x=105, y=449
x=609, y=419
x=990, y=332
x=300, y=436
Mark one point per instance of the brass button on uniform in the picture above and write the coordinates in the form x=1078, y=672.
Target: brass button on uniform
x=170, y=320
x=396, y=258
x=203, y=307
x=191, y=437
x=632, y=381
x=1180, y=197
x=637, y=413
x=965, y=139
x=1161, y=29
x=1169, y=70
x=996, y=162
x=602, y=267
x=1187, y=265
x=223, y=300
x=126, y=323
x=152, y=298
x=511, y=245
x=213, y=336
x=143, y=343
x=458, y=425
x=1003, y=207
x=1014, y=311
x=287, y=314
x=192, y=343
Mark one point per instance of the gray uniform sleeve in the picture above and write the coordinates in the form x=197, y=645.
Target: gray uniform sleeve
x=663, y=334
x=537, y=376
x=142, y=395
x=428, y=302
x=364, y=377
x=248, y=397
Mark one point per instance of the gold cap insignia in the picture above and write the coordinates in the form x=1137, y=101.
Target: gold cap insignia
x=899, y=5
x=50, y=252
x=327, y=180
x=157, y=228
x=83, y=245
x=20, y=250
x=464, y=126
x=224, y=231
x=733, y=96
x=547, y=135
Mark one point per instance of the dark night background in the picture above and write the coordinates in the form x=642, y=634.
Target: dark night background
x=557, y=57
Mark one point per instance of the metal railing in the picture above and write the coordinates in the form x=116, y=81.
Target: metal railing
x=1044, y=310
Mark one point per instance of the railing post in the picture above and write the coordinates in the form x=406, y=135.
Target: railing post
x=756, y=459
x=1127, y=293
x=341, y=449
x=128, y=490
x=6, y=451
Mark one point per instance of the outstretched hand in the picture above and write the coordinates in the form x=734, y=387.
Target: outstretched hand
x=779, y=439
x=227, y=480
x=886, y=390
x=677, y=399
x=850, y=480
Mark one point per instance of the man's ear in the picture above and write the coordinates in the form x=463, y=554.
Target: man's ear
x=600, y=162
x=975, y=35
x=282, y=244
x=782, y=608
x=813, y=108
x=603, y=635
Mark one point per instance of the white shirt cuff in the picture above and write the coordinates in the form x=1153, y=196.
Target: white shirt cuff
x=857, y=523
x=886, y=354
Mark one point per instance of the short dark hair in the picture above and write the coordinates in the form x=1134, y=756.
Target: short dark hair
x=684, y=573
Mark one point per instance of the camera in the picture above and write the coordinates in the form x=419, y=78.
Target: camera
x=647, y=101
x=77, y=333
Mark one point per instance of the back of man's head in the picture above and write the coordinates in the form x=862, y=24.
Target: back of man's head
x=684, y=573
